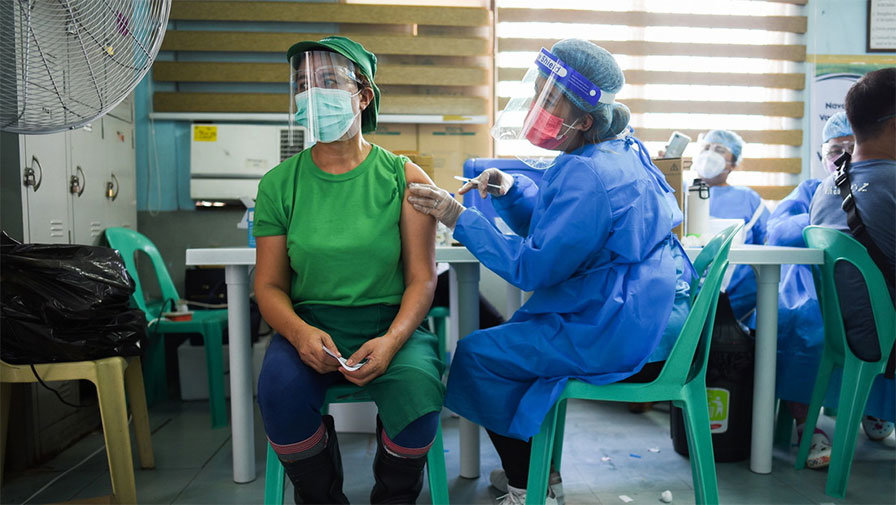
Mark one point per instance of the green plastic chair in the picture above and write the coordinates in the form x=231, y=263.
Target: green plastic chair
x=349, y=393
x=209, y=323
x=858, y=375
x=682, y=380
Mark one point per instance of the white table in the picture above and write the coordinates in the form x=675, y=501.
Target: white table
x=766, y=262
x=236, y=262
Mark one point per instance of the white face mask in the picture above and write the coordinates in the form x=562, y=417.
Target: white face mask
x=709, y=164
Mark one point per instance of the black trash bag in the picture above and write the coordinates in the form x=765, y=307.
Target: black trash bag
x=61, y=302
x=729, y=384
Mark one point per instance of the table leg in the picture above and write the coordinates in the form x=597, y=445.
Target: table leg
x=241, y=404
x=467, y=275
x=767, y=279
x=514, y=299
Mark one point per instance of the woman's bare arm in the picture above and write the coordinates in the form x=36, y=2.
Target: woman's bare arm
x=418, y=235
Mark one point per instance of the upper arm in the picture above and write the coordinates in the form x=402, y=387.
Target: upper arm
x=418, y=233
x=272, y=263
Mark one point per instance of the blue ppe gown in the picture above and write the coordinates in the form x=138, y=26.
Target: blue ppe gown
x=740, y=202
x=800, y=327
x=594, y=245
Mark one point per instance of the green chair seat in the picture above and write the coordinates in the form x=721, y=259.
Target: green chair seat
x=682, y=380
x=209, y=323
x=858, y=374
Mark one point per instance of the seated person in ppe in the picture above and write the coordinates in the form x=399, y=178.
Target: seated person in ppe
x=593, y=242
x=719, y=154
x=347, y=265
x=800, y=327
x=871, y=179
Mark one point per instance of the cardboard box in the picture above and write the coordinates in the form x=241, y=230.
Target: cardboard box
x=450, y=146
x=394, y=137
x=671, y=168
x=424, y=161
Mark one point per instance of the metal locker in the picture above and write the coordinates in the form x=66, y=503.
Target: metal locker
x=121, y=190
x=46, y=205
x=87, y=183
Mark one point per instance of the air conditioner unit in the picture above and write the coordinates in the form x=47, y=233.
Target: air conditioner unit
x=228, y=160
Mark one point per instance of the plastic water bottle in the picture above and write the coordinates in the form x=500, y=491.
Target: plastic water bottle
x=250, y=219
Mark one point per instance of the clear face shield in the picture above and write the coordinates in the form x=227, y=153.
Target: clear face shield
x=325, y=97
x=539, y=118
x=833, y=149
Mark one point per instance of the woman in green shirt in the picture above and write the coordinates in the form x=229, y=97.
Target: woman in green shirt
x=345, y=265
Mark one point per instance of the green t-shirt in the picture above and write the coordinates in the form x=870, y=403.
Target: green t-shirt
x=342, y=230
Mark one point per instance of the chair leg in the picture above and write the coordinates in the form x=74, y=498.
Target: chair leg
x=783, y=426
x=854, y=391
x=113, y=411
x=435, y=470
x=156, y=380
x=273, y=479
x=557, y=451
x=703, y=466
x=213, y=337
x=818, y=392
x=540, y=460
x=5, y=390
x=133, y=381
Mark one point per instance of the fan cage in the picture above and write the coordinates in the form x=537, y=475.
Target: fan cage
x=64, y=63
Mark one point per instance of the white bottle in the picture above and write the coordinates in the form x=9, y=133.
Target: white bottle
x=697, y=218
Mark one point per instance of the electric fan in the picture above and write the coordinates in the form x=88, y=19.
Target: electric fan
x=64, y=63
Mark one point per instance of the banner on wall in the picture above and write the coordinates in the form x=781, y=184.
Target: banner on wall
x=829, y=88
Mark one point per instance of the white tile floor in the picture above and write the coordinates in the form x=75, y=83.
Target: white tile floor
x=193, y=466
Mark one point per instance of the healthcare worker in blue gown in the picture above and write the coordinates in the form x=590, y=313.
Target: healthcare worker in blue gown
x=593, y=243
x=719, y=154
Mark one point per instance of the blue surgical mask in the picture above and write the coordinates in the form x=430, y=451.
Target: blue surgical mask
x=327, y=115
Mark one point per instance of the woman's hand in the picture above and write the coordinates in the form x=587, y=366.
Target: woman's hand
x=436, y=202
x=378, y=352
x=490, y=182
x=310, y=345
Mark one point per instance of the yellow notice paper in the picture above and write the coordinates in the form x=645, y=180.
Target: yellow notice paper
x=205, y=133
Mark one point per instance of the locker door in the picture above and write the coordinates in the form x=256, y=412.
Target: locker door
x=121, y=185
x=87, y=178
x=47, y=207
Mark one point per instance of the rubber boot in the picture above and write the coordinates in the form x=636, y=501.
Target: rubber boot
x=398, y=480
x=318, y=479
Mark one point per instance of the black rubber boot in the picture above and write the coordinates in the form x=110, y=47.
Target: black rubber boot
x=318, y=479
x=398, y=480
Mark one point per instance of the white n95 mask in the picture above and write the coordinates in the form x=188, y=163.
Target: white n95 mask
x=709, y=164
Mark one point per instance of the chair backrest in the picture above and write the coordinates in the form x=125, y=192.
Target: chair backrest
x=690, y=353
x=128, y=242
x=837, y=247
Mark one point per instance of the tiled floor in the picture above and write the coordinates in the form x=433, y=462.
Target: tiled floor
x=193, y=465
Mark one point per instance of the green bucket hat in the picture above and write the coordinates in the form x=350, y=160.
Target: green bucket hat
x=364, y=59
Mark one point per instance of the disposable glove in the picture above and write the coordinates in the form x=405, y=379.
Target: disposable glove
x=491, y=181
x=436, y=202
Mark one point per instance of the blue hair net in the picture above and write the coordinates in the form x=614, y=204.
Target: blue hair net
x=836, y=126
x=729, y=139
x=598, y=66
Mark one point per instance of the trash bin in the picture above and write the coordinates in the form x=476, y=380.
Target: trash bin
x=729, y=390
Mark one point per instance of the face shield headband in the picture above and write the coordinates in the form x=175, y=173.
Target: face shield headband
x=324, y=90
x=550, y=100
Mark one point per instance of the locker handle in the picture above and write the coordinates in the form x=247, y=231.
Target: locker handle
x=78, y=183
x=112, y=188
x=29, y=178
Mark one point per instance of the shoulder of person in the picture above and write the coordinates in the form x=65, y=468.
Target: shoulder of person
x=282, y=170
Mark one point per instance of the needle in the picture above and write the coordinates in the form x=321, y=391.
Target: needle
x=467, y=179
